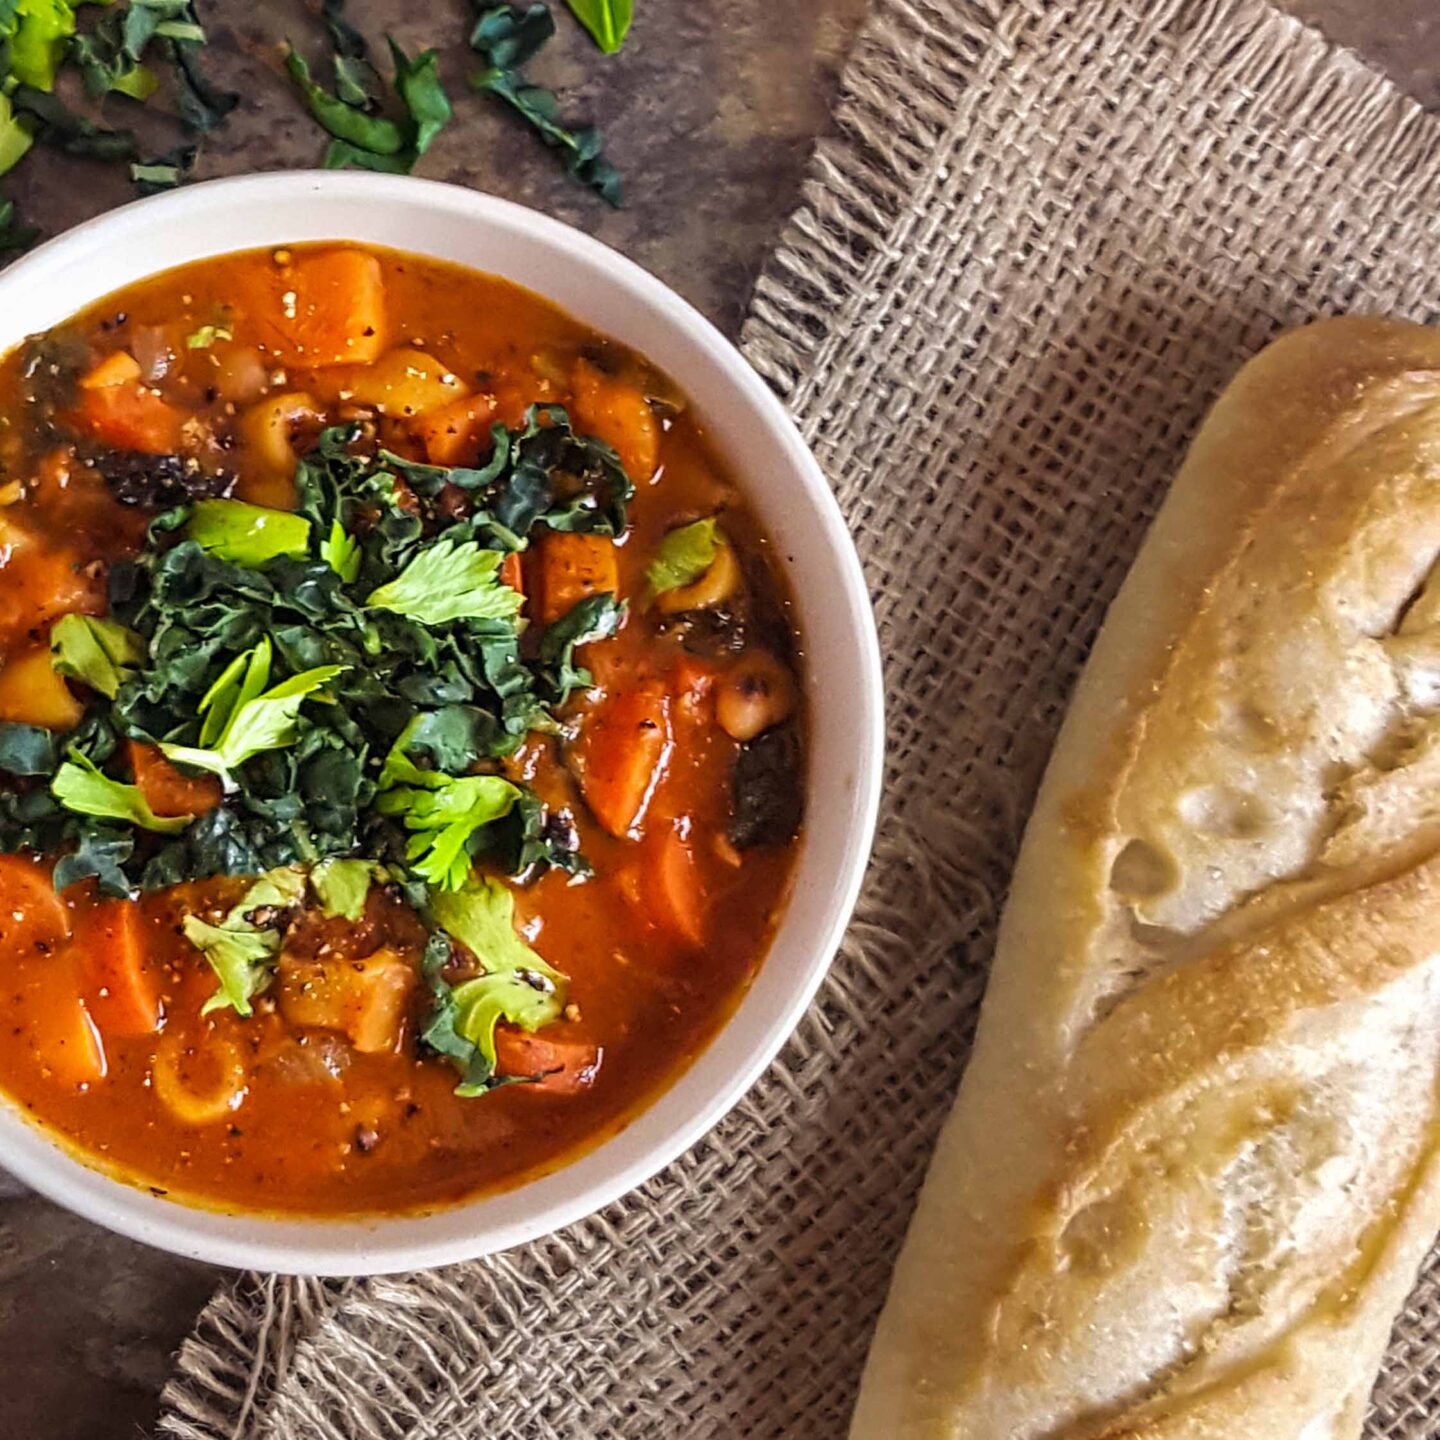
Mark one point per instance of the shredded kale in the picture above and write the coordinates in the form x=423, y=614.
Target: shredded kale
x=124, y=51
x=506, y=37
x=354, y=115
x=354, y=694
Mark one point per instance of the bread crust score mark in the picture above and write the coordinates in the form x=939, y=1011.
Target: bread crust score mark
x=1195, y=1159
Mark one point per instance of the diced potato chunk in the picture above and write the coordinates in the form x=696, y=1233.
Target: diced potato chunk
x=31, y=693
x=119, y=367
x=403, y=383
x=66, y=1041
x=364, y=999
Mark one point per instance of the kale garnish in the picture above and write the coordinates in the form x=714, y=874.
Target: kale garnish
x=370, y=659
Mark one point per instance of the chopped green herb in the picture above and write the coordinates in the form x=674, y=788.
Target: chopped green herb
x=301, y=783
x=54, y=123
x=37, y=32
x=342, y=886
x=208, y=335
x=254, y=719
x=506, y=37
x=165, y=171
x=363, y=136
x=14, y=235
x=377, y=134
x=341, y=552
x=608, y=21
x=683, y=556
x=597, y=617
x=80, y=785
x=240, y=950
x=246, y=535
x=15, y=136
x=101, y=653
x=444, y=813
x=517, y=986
x=447, y=582
x=27, y=749
x=356, y=79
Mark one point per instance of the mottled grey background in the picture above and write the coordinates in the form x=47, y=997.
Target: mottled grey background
x=710, y=112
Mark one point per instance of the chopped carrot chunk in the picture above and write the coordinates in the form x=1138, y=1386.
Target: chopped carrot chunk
x=512, y=572
x=454, y=434
x=121, y=989
x=572, y=568
x=167, y=790
x=618, y=414
x=623, y=749
x=675, y=890
x=323, y=308
x=130, y=416
x=566, y=1065
x=66, y=1040
x=32, y=915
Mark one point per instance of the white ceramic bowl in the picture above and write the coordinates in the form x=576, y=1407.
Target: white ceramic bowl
x=794, y=503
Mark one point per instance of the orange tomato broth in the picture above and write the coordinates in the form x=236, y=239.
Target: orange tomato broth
x=658, y=946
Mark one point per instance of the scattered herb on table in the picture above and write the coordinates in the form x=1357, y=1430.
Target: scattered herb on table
x=40, y=41
x=363, y=135
x=507, y=38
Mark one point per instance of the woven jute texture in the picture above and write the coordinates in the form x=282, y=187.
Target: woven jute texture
x=1041, y=240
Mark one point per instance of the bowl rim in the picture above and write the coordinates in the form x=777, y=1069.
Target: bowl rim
x=344, y=1246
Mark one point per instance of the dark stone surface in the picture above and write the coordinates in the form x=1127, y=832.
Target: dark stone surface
x=710, y=111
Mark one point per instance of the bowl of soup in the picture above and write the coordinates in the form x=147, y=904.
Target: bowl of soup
x=440, y=723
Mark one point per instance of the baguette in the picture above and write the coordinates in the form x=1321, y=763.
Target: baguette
x=1194, y=1163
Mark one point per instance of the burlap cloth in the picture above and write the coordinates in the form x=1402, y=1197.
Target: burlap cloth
x=1043, y=238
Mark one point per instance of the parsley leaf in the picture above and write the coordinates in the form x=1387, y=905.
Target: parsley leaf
x=683, y=556
x=342, y=886
x=241, y=719
x=450, y=581
x=341, y=552
x=80, y=785
x=241, y=952
x=37, y=31
x=246, y=535
x=15, y=139
x=101, y=653
x=517, y=986
x=506, y=37
x=443, y=813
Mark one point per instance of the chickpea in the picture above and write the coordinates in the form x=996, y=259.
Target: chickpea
x=268, y=429
x=758, y=694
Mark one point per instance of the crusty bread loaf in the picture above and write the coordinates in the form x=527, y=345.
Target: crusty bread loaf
x=1195, y=1160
